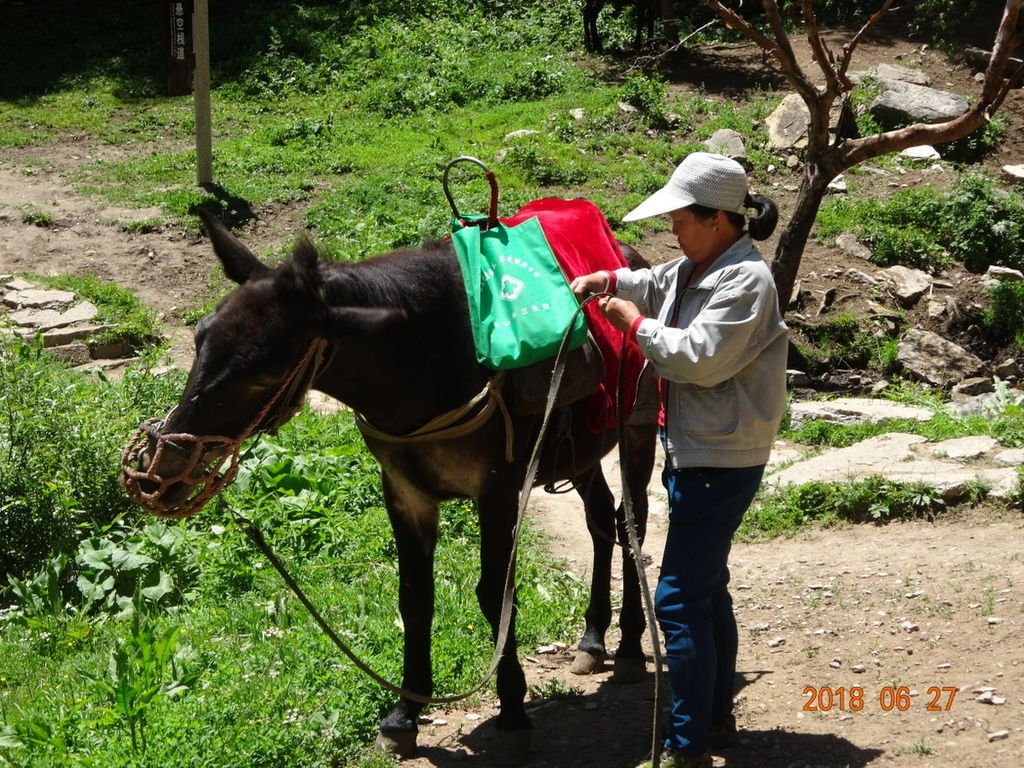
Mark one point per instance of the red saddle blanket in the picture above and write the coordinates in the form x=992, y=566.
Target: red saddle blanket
x=583, y=243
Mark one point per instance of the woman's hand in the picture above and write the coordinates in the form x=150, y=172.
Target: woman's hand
x=619, y=312
x=584, y=285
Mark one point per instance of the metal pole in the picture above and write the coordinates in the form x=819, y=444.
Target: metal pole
x=204, y=138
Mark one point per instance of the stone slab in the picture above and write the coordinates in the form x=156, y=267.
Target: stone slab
x=32, y=298
x=971, y=447
x=853, y=410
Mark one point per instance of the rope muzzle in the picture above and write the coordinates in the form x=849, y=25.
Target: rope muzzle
x=202, y=465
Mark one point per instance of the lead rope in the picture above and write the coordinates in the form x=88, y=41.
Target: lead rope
x=637, y=552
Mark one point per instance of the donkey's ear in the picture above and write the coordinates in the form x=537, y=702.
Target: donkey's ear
x=344, y=321
x=238, y=261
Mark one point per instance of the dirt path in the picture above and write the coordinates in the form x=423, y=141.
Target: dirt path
x=919, y=618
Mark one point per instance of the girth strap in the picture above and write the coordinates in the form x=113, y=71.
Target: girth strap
x=455, y=423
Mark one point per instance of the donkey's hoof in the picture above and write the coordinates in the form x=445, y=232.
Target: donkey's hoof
x=511, y=747
x=629, y=670
x=588, y=663
x=401, y=744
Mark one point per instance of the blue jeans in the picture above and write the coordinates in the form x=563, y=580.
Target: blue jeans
x=692, y=602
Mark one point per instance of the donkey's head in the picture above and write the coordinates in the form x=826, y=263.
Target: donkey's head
x=256, y=356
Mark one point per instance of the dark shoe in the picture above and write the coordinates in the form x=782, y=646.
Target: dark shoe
x=671, y=759
x=723, y=733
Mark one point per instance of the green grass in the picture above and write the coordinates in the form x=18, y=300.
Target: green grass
x=785, y=511
x=249, y=678
x=976, y=223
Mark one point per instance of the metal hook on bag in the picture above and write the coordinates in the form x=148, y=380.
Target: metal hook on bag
x=492, y=213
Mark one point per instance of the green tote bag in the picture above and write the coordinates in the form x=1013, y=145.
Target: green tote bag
x=520, y=304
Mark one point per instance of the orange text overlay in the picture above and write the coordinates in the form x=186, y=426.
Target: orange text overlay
x=889, y=698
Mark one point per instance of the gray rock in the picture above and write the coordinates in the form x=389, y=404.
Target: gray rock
x=848, y=243
x=963, y=448
x=1011, y=457
x=902, y=103
x=855, y=410
x=726, y=141
x=909, y=285
x=522, y=132
x=787, y=124
x=1014, y=173
x=976, y=385
x=901, y=458
x=796, y=378
x=923, y=152
x=934, y=359
x=885, y=71
x=17, y=284
x=1007, y=368
x=838, y=184
x=59, y=336
x=36, y=319
x=1005, y=274
x=72, y=354
x=36, y=298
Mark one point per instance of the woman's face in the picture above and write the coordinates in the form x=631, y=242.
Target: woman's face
x=702, y=239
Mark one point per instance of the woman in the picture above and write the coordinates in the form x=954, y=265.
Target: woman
x=709, y=323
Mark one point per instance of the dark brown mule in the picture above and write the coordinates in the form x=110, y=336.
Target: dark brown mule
x=397, y=348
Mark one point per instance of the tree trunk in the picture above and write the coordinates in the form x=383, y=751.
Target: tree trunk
x=790, y=248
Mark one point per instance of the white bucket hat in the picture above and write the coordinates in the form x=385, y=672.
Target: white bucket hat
x=714, y=181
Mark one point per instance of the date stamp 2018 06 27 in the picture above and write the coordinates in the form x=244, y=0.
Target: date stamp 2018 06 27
x=889, y=698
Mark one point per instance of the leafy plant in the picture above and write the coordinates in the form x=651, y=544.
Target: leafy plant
x=148, y=665
x=38, y=218
x=117, y=566
x=1004, y=317
x=787, y=510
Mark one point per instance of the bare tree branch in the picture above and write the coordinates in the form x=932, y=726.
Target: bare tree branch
x=849, y=48
x=1006, y=39
x=644, y=62
x=734, y=21
x=825, y=160
x=821, y=53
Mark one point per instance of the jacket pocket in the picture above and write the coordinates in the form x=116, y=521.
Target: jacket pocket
x=708, y=411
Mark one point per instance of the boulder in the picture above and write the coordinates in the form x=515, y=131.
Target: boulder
x=726, y=141
x=788, y=123
x=936, y=360
x=848, y=243
x=900, y=103
x=1004, y=274
x=908, y=284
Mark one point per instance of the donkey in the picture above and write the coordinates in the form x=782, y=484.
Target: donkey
x=644, y=14
x=390, y=337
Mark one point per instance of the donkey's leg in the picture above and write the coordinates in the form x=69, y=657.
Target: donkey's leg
x=414, y=520
x=599, y=505
x=641, y=443
x=498, y=510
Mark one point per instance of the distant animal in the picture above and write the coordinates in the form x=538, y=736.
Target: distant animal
x=644, y=13
x=390, y=336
